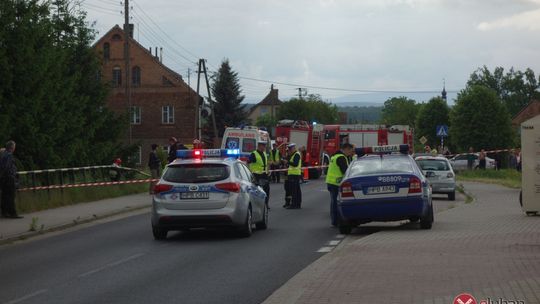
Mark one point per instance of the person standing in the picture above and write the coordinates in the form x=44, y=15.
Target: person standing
x=518, y=159
x=482, y=159
x=154, y=163
x=275, y=162
x=286, y=186
x=8, y=181
x=470, y=158
x=293, y=176
x=172, y=149
x=258, y=165
x=512, y=160
x=339, y=162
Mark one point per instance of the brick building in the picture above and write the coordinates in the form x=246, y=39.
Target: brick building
x=162, y=104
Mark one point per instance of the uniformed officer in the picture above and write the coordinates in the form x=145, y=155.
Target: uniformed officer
x=339, y=162
x=258, y=164
x=293, y=176
x=275, y=163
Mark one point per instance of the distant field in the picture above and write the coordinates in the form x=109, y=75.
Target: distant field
x=508, y=177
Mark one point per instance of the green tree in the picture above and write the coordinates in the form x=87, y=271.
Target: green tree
x=480, y=120
x=435, y=112
x=228, y=110
x=266, y=121
x=52, y=100
x=312, y=109
x=400, y=111
x=515, y=88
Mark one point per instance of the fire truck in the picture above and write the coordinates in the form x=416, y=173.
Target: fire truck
x=322, y=141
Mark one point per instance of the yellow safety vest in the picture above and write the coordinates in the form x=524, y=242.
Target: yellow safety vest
x=334, y=175
x=276, y=156
x=259, y=167
x=295, y=170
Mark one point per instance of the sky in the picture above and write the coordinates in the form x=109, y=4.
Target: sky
x=393, y=46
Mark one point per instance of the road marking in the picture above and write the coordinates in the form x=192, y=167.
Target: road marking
x=110, y=265
x=325, y=249
x=340, y=236
x=334, y=242
x=27, y=297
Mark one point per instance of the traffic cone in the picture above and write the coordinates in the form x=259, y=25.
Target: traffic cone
x=306, y=174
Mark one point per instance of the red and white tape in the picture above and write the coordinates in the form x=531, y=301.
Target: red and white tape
x=467, y=153
x=136, y=181
x=310, y=167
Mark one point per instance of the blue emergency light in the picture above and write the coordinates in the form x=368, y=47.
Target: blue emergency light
x=208, y=153
x=404, y=149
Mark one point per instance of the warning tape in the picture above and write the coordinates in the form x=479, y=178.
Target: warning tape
x=468, y=153
x=135, y=181
x=310, y=167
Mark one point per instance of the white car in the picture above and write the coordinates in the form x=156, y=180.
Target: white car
x=459, y=162
x=439, y=173
x=205, y=190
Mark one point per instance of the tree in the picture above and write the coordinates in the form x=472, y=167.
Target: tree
x=400, y=111
x=312, y=109
x=52, y=100
x=228, y=110
x=480, y=120
x=435, y=112
x=515, y=88
x=266, y=121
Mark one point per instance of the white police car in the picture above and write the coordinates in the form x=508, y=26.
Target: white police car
x=381, y=186
x=208, y=188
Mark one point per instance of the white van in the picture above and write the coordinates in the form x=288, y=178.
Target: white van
x=245, y=139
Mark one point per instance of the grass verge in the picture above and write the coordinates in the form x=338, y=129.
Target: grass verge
x=32, y=201
x=508, y=177
x=468, y=198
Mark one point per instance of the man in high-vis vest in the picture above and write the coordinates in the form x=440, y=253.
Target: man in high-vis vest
x=293, y=176
x=275, y=163
x=339, y=162
x=258, y=165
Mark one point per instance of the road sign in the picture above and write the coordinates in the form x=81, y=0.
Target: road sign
x=442, y=130
x=423, y=140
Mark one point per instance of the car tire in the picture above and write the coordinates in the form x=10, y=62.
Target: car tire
x=262, y=225
x=414, y=219
x=452, y=196
x=521, y=198
x=247, y=228
x=345, y=228
x=159, y=233
x=531, y=213
x=426, y=221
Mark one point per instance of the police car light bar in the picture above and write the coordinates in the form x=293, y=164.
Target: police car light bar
x=382, y=149
x=208, y=153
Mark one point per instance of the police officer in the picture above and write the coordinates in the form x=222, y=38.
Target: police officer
x=275, y=161
x=339, y=162
x=258, y=164
x=293, y=176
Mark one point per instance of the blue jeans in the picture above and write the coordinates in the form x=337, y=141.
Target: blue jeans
x=334, y=191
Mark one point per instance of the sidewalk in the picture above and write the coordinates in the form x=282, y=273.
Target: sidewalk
x=12, y=229
x=489, y=249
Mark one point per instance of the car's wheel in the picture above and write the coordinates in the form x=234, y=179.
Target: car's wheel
x=414, y=219
x=452, y=196
x=247, y=228
x=531, y=213
x=159, y=233
x=426, y=221
x=345, y=229
x=262, y=225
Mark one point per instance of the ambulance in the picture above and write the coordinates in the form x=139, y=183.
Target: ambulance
x=245, y=139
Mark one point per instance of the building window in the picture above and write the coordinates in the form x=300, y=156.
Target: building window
x=137, y=156
x=167, y=114
x=264, y=110
x=135, y=115
x=106, y=51
x=136, y=76
x=117, y=77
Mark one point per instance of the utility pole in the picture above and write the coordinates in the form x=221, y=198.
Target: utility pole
x=302, y=92
x=127, y=33
x=210, y=100
x=199, y=105
x=202, y=70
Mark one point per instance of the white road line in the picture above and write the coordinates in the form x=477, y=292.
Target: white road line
x=325, y=249
x=340, y=236
x=113, y=264
x=334, y=243
x=28, y=296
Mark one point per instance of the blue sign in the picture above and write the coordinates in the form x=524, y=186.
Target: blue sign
x=442, y=130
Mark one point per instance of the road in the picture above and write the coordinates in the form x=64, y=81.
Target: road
x=119, y=262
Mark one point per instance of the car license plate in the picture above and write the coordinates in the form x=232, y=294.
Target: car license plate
x=381, y=189
x=194, y=195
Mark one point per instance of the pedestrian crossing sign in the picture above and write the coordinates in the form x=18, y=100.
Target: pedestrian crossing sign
x=442, y=130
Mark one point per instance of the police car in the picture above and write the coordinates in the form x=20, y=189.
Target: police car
x=381, y=185
x=208, y=188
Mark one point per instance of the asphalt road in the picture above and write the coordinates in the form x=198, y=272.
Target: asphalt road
x=119, y=262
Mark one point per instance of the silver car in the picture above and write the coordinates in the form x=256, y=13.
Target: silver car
x=439, y=173
x=459, y=162
x=202, y=193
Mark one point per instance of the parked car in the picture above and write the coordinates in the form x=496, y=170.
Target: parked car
x=459, y=162
x=439, y=173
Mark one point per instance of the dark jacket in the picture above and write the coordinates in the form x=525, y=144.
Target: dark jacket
x=172, y=153
x=153, y=161
x=8, y=169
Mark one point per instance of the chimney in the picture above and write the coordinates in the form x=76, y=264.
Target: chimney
x=130, y=30
x=155, y=55
x=150, y=50
x=160, y=54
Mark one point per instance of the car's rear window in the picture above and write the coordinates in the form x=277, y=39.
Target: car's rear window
x=375, y=165
x=196, y=173
x=433, y=164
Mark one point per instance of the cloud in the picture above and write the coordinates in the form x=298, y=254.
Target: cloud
x=522, y=21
